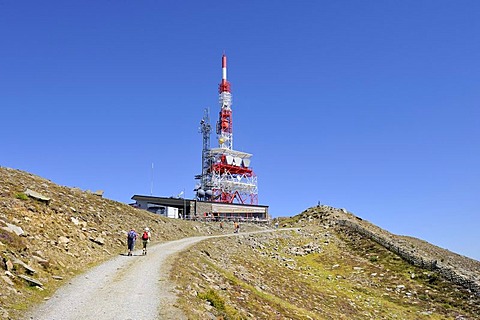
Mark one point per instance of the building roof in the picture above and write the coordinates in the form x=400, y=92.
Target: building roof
x=172, y=201
x=167, y=201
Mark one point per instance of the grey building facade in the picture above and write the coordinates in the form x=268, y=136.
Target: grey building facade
x=199, y=210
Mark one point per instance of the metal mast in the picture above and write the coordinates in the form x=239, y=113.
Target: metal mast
x=205, y=129
x=224, y=123
x=226, y=173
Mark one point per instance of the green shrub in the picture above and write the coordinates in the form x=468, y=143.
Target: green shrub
x=21, y=196
x=214, y=299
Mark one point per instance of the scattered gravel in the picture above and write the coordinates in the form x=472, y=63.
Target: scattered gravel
x=126, y=287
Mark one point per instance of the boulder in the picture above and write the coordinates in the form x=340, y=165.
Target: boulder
x=98, y=240
x=31, y=281
x=37, y=196
x=14, y=229
x=27, y=268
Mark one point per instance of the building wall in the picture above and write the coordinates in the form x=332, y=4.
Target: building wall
x=230, y=211
x=195, y=209
x=202, y=208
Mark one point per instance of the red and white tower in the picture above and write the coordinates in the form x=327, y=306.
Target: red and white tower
x=224, y=124
x=229, y=177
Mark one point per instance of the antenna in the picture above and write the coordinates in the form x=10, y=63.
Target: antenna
x=151, y=182
x=205, y=129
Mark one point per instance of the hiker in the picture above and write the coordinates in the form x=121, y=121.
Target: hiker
x=236, y=226
x=131, y=237
x=146, y=239
x=221, y=224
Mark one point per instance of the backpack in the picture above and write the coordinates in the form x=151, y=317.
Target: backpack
x=131, y=234
x=145, y=235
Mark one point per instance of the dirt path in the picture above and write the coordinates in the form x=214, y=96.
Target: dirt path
x=124, y=288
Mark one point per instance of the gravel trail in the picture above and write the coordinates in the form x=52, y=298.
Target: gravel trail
x=126, y=287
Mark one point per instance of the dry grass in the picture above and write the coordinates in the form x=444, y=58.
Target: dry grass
x=258, y=277
x=339, y=275
x=43, y=225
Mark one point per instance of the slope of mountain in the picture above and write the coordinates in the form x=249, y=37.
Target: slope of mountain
x=333, y=265
x=58, y=232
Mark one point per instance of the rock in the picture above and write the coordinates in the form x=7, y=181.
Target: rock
x=7, y=280
x=98, y=240
x=13, y=228
x=9, y=274
x=207, y=278
x=223, y=286
x=9, y=265
x=29, y=269
x=31, y=281
x=57, y=277
x=75, y=221
x=193, y=292
x=37, y=196
x=40, y=254
x=41, y=261
x=63, y=240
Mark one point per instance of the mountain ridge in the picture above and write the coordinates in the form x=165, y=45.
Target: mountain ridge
x=45, y=244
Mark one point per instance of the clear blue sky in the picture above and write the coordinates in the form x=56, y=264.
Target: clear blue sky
x=372, y=106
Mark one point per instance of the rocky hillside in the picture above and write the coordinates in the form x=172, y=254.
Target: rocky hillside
x=332, y=265
x=49, y=233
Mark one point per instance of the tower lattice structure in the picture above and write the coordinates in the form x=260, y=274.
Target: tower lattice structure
x=226, y=173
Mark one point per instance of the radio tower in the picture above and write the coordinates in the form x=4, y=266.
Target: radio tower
x=224, y=124
x=226, y=173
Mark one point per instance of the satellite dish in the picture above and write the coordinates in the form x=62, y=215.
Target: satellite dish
x=229, y=159
x=209, y=193
x=246, y=163
x=201, y=193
